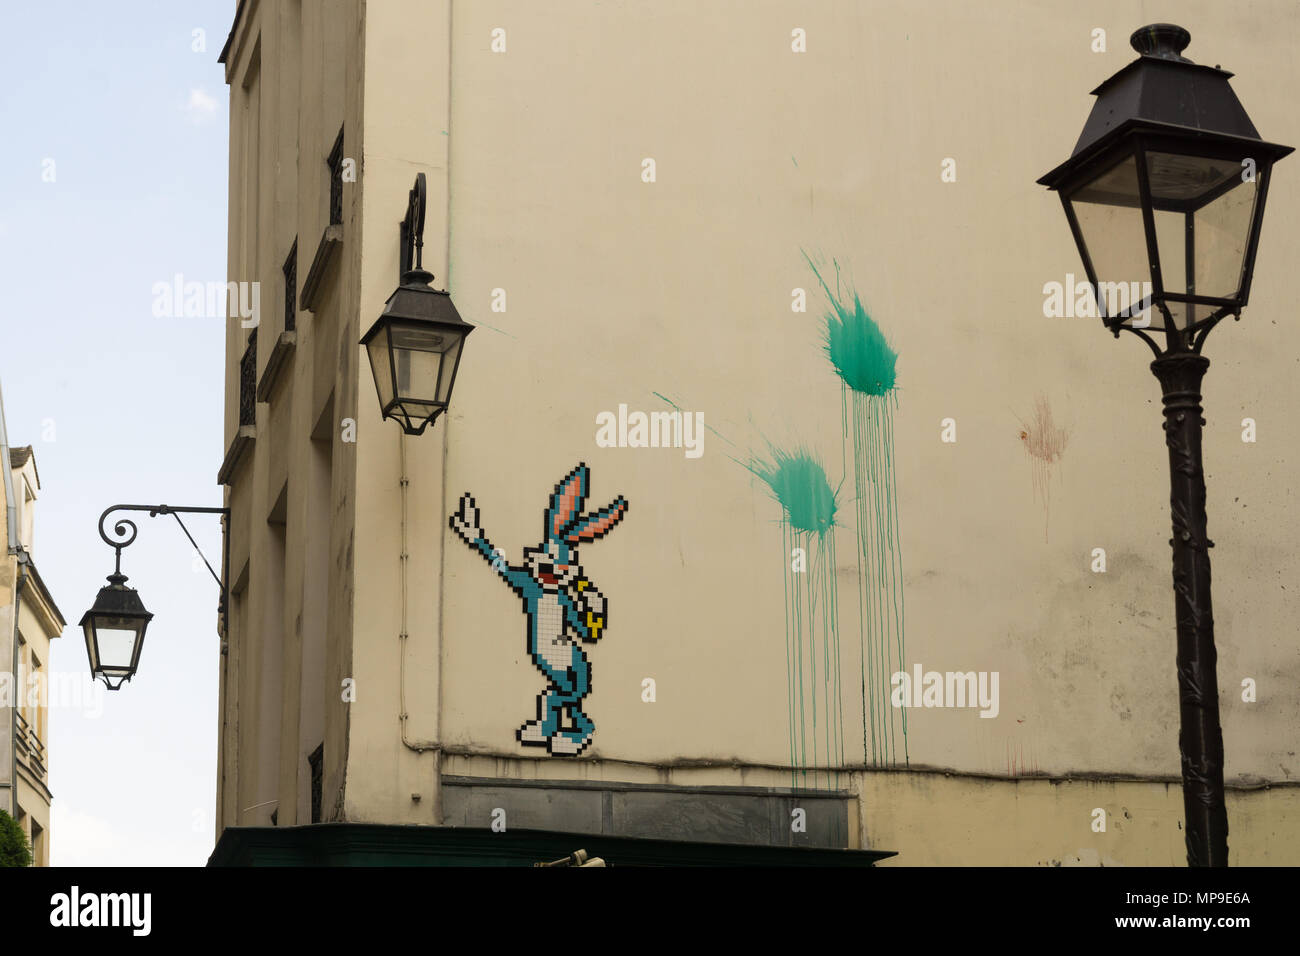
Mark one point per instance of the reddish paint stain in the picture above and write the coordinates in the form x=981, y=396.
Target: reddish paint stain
x=1044, y=443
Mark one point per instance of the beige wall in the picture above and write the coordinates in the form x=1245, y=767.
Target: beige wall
x=618, y=289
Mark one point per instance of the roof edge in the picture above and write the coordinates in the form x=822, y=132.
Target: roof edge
x=234, y=27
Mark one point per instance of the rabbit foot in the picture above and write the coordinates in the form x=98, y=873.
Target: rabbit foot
x=531, y=733
x=566, y=746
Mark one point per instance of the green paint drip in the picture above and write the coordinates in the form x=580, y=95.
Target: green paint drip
x=815, y=714
x=880, y=576
x=799, y=483
x=855, y=345
x=867, y=367
x=812, y=648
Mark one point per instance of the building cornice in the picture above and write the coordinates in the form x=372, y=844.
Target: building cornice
x=229, y=52
x=52, y=617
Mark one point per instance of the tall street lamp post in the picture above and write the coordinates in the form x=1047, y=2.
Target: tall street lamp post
x=1165, y=194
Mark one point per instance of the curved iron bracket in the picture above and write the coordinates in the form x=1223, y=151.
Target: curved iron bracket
x=125, y=537
x=411, y=230
x=1116, y=326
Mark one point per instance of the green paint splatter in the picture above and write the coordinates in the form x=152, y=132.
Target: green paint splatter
x=866, y=366
x=855, y=345
x=799, y=483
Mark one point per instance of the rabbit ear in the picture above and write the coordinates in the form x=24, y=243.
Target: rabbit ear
x=566, y=502
x=598, y=523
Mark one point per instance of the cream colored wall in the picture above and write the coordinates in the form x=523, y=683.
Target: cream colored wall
x=618, y=289
x=405, y=110
x=936, y=820
x=34, y=629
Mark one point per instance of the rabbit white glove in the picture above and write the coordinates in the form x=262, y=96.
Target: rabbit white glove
x=465, y=521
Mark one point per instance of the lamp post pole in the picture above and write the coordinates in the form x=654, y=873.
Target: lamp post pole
x=1200, y=738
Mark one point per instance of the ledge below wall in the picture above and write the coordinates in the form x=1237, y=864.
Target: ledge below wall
x=368, y=844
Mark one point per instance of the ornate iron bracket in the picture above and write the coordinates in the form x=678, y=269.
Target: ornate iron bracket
x=411, y=231
x=125, y=537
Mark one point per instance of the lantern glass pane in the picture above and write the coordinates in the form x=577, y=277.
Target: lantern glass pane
x=1108, y=210
x=1187, y=180
x=417, y=359
x=1171, y=245
x=1221, y=231
x=377, y=348
x=116, y=642
x=449, y=360
x=1203, y=209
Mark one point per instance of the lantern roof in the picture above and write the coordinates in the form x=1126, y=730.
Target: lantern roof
x=117, y=600
x=1165, y=92
x=417, y=300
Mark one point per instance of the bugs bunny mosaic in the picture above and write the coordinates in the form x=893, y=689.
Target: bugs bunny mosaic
x=562, y=606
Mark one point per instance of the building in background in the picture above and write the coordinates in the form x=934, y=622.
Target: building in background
x=651, y=212
x=29, y=621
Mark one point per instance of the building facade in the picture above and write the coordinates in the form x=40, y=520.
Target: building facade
x=29, y=622
x=910, y=594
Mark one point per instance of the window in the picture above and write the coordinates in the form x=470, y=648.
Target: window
x=36, y=696
x=21, y=689
x=317, y=761
x=38, y=844
x=335, y=163
x=248, y=382
x=291, y=288
x=25, y=523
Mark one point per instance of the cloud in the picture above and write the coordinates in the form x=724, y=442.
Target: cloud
x=201, y=107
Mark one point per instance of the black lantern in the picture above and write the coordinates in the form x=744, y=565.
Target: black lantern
x=414, y=350
x=116, y=624
x=1165, y=192
x=115, y=629
x=415, y=345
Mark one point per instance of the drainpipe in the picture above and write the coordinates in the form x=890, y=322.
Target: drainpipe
x=15, y=548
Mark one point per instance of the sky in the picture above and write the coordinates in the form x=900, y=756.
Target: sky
x=113, y=178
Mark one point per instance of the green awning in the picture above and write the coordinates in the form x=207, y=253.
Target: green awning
x=367, y=844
